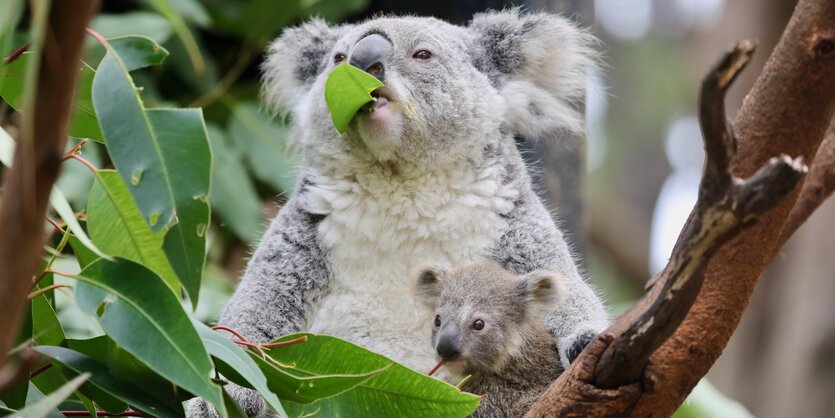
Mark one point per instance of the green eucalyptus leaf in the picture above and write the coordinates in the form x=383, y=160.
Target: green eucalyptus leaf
x=62, y=206
x=237, y=366
x=88, y=404
x=191, y=10
x=164, y=157
x=138, y=51
x=184, y=143
x=46, y=330
x=265, y=146
x=9, y=15
x=148, y=321
x=233, y=195
x=114, y=222
x=133, y=145
x=133, y=23
x=46, y=406
x=183, y=32
x=397, y=391
x=347, y=90
x=100, y=378
x=83, y=123
x=82, y=253
x=48, y=381
x=124, y=366
x=309, y=387
x=56, y=198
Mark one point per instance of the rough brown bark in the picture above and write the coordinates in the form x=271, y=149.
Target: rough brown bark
x=726, y=205
x=787, y=112
x=816, y=189
x=37, y=161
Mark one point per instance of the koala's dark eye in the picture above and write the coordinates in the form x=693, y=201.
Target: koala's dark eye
x=478, y=325
x=437, y=320
x=339, y=57
x=422, y=54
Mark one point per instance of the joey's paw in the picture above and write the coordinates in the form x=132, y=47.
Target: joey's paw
x=571, y=347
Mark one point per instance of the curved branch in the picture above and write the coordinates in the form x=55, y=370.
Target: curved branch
x=725, y=206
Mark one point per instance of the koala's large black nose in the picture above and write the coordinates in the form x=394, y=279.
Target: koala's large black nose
x=369, y=53
x=448, y=344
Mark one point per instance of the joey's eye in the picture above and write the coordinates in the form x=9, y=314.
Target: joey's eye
x=339, y=57
x=422, y=54
x=437, y=320
x=478, y=325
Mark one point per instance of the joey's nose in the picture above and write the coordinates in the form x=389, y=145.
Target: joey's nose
x=448, y=345
x=369, y=53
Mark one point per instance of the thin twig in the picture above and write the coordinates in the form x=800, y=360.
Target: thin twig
x=17, y=53
x=230, y=330
x=74, y=149
x=39, y=292
x=40, y=278
x=40, y=370
x=98, y=38
x=55, y=228
x=437, y=366
x=83, y=161
x=301, y=339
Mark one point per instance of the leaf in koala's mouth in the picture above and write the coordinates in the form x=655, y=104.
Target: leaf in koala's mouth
x=347, y=90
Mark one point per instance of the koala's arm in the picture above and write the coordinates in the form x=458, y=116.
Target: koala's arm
x=533, y=242
x=285, y=275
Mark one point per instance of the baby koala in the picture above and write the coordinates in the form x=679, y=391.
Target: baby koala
x=489, y=325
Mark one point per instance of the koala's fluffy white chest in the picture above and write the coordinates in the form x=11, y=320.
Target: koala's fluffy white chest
x=379, y=232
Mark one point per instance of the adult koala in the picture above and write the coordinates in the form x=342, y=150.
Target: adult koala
x=429, y=173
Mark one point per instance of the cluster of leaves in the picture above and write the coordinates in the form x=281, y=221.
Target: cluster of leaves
x=132, y=242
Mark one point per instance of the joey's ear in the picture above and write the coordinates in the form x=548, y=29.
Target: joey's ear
x=542, y=290
x=295, y=59
x=429, y=284
x=539, y=63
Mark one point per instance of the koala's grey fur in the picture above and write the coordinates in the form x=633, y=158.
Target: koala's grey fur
x=513, y=359
x=437, y=178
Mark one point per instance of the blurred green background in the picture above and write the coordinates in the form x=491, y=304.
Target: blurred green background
x=641, y=163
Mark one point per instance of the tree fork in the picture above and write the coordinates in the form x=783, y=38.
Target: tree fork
x=37, y=161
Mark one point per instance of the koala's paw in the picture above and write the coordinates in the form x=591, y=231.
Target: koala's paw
x=249, y=401
x=572, y=346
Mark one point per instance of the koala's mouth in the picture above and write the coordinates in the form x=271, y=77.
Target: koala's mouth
x=382, y=97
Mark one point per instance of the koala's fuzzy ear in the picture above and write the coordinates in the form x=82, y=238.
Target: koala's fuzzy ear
x=295, y=59
x=429, y=282
x=542, y=289
x=539, y=63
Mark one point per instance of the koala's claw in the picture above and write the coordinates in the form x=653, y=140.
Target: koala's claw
x=579, y=343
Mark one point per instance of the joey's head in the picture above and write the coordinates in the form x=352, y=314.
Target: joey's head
x=448, y=92
x=484, y=315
